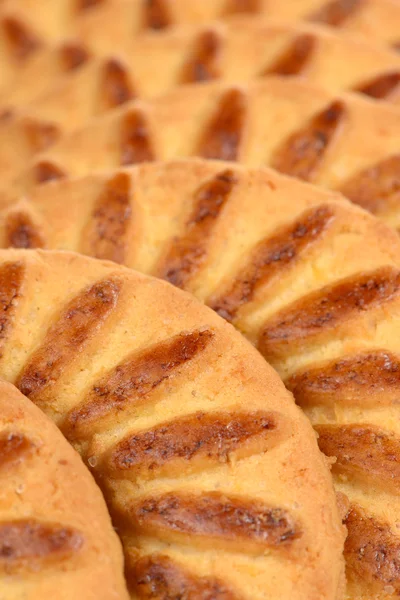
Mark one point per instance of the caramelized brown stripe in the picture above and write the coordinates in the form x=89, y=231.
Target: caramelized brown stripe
x=81, y=319
x=21, y=232
x=366, y=452
x=115, y=86
x=382, y=86
x=28, y=541
x=156, y=14
x=157, y=577
x=243, y=6
x=136, y=146
x=295, y=58
x=22, y=42
x=11, y=276
x=107, y=233
x=14, y=449
x=396, y=46
x=224, y=133
x=188, y=253
x=377, y=187
x=73, y=55
x=85, y=4
x=194, y=442
x=321, y=312
x=216, y=520
x=372, y=553
x=368, y=379
x=336, y=12
x=302, y=154
x=130, y=382
x=41, y=135
x=269, y=257
x=45, y=171
x=204, y=62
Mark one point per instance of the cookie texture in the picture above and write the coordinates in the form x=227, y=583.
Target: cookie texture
x=72, y=82
x=343, y=142
x=211, y=473
x=124, y=19
x=310, y=279
x=56, y=537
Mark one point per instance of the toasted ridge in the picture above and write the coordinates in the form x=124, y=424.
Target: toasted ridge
x=135, y=380
x=383, y=86
x=336, y=12
x=165, y=447
x=372, y=540
x=21, y=41
x=156, y=14
x=325, y=310
x=22, y=541
x=302, y=153
x=216, y=519
x=270, y=256
x=11, y=277
x=78, y=322
x=295, y=58
x=116, y=87
x=106, y=236
x=46, y=171
x=14, y=448
x=158, y=576
x=354, y=381
x=22, y=232
x=136, y=146
x=223, y=135
x=375, y=187
x=188, y=252
x=203, y=63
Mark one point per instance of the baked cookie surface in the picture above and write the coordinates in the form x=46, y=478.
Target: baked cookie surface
x=72, y=83
x=342, y=142
x=211, y=473
x=88, y=19
x=56, y=537
x=310, y=279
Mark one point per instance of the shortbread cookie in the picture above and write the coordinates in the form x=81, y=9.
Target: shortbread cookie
x=27, y=27
x=106, y=22
x=56, y=537
x=212, y=474
x=342, y=142
x=309, y=278
x=238, y=51
x=375, y=19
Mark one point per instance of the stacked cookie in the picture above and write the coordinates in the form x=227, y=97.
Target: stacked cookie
x=191, y=192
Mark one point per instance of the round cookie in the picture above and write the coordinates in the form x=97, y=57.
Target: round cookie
x=211, y=473
x=56, y=537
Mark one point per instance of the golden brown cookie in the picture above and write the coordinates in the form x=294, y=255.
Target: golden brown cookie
x=212, y=474
x=103, y=23
x=376, y=19
x=312, y=280
x=342, y=142
x=28, y=27
x=239, y=50
x=56, y=537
